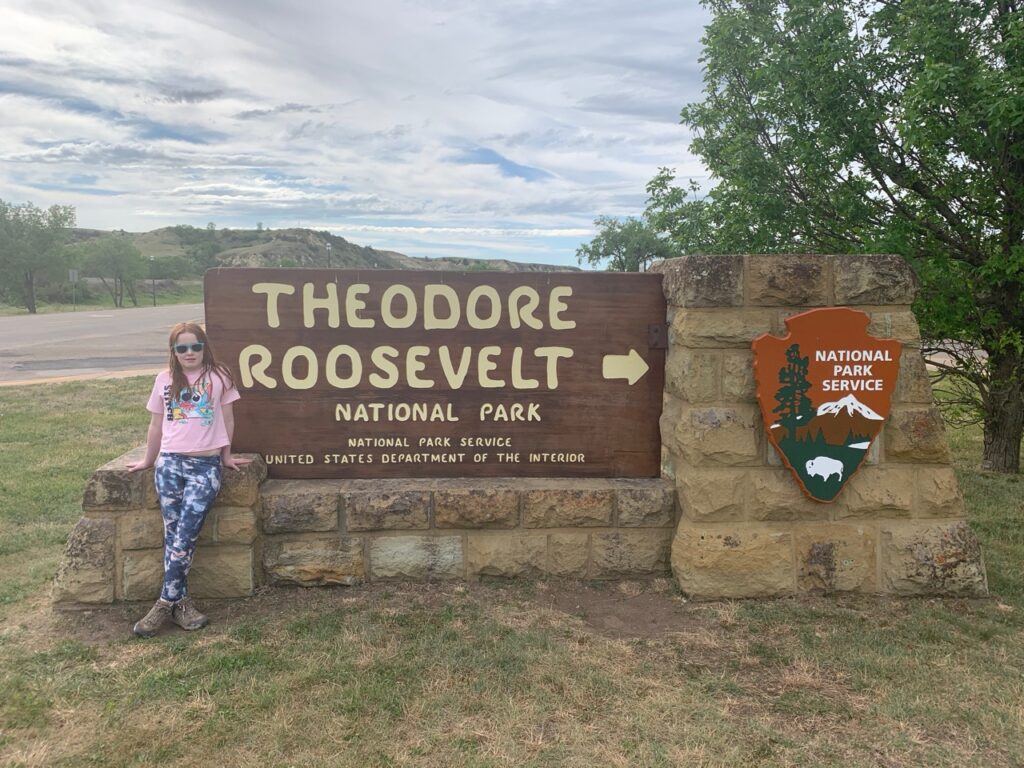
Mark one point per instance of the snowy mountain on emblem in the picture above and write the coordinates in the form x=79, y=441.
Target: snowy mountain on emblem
x=851, y=405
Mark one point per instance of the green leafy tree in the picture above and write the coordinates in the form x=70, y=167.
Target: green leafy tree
x=31, y=248
x=118, y=263
x=201, y=245
x=876, y=127
x=171, y=268
x=628, y=245
x=794, y=407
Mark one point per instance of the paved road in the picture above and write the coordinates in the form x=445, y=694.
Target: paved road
x=87, y=344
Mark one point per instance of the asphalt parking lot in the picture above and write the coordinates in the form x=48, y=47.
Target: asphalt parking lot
x=88, y=344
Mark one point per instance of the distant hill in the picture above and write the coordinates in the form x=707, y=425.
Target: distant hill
x=291, y=248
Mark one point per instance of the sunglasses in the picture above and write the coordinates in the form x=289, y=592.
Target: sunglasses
x=183, y=348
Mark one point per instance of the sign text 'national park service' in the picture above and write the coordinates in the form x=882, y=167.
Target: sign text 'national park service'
x=386, y=373
x=825, y=391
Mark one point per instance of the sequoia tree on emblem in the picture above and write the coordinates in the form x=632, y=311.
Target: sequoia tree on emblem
x=825, y=391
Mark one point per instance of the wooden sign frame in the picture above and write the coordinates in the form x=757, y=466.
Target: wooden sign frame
x=362, y=374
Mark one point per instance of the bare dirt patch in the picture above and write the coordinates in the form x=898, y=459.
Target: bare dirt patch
x=622, y=610
x=626, y=610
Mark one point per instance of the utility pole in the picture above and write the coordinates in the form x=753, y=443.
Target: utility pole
x=152, y=275
x=328, y=255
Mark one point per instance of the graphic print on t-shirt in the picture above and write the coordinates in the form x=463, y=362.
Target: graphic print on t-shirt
x=192, y=403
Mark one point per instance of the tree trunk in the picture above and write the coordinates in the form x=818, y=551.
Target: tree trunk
x=110, y=290
x=30, y=292
x=1004, y=413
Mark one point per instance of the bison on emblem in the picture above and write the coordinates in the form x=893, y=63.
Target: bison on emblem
x=824, y=467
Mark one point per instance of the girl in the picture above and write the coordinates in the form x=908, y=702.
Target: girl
x=190, y=428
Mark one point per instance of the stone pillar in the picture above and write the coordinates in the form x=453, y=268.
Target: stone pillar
x=746, y=529
x=115, y=551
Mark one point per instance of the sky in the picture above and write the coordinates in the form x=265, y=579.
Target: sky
x=433, y=128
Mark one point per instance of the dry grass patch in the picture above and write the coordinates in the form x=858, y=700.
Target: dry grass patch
x=471, y=676
x=506, y=674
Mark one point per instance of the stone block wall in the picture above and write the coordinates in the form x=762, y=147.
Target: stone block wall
x=115, y=552
x=733, y=518
x=348, y=531
x=746, y=529
x=323, y=532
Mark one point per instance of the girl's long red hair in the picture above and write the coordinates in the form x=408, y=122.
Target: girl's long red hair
x=179, y=380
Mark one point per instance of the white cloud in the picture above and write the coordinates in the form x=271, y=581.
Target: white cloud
x=412, y=126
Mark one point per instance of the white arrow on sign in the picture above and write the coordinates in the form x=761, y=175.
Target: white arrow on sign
x=630, y=367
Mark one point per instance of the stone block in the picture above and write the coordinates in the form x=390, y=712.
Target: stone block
x=913, y=384
x=476, y=506
x=693, y=375
x=703, y=329
x=874, y=453
x=671, y=413
x=241, y=488
x=568, y=554
x=668, y=467
x=776, y=495
x=787, y=280
x=236, y=525
x=316, y=561
x=835, y=557
x=567, y=507
x=386, y=510
x=916, y=434
x=932, y=558
x=711, y=495
x=206, y=533
x=719, y=561
x=738, y=377
x=622, y=554
x=703, y=281
x=86, y=571
x=422, y=558
x=900, y=325
x=113, y=488
x=142, y=574
x=873, y=279
x=719, y=436
x=645, y=503
x=292, y=506
x=507, y=554
x=150, y=498
x=141, y=530
x=938, y=493
x=879, y=492
x=222, y=572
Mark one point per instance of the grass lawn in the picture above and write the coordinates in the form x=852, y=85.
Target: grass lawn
x=510, y=674
x=182, y=292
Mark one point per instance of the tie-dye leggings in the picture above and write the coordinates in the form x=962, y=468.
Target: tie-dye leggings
x=186, y=486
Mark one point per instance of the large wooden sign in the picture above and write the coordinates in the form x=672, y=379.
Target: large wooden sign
x=825, y=391
x=440, y=374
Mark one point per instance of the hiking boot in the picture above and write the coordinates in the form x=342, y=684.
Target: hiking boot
x=150, y=624
x=187, y=616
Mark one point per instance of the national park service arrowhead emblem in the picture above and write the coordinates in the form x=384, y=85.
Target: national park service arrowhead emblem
x=825, y=391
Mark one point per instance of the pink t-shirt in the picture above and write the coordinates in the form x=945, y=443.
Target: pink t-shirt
x=194, y=419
